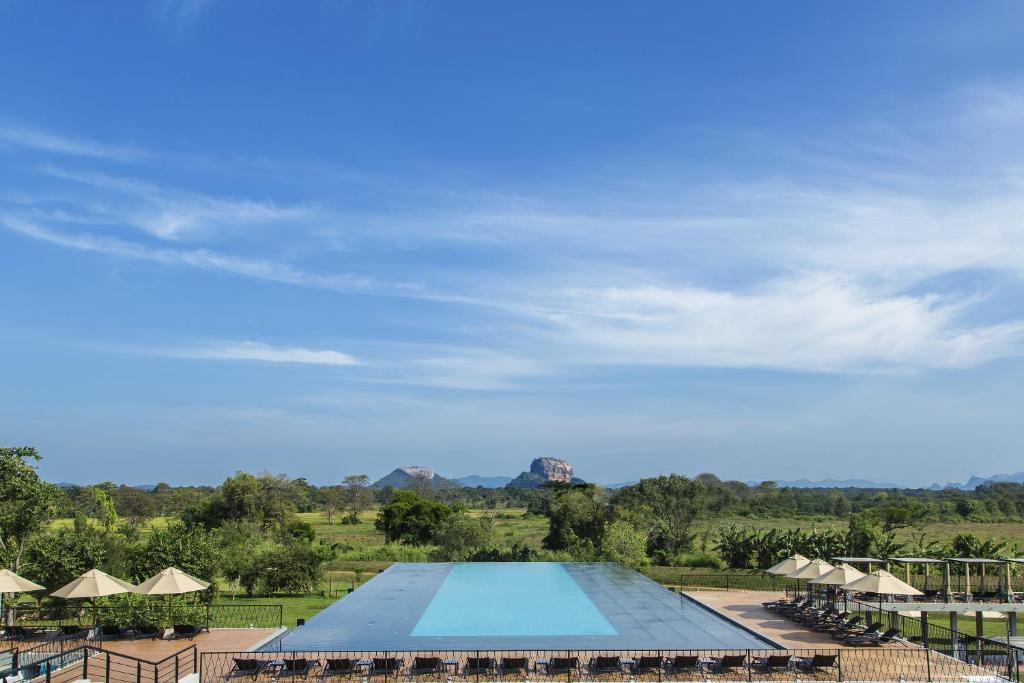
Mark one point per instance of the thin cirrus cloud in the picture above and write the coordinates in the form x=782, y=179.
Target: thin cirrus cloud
x=258, y=351
x=45, y=141
x=815, y=323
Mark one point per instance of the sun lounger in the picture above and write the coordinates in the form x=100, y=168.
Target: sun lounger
x=514, y=666
x=848, y=625
x=563, y=666
x=427, y=666
x=773, y=663
x=605, y=665
x=247, y=668
x=684, y=664
x=112, y=632
x=480, y=666
x=299, y=667
x=344, y=668
x=646, y=664
x=815, y=664
x=188, y=631
x=386, y=666
x=868, y=632
x=874, y=639
x=73, y=631
x=726, y=663
x=147, y=631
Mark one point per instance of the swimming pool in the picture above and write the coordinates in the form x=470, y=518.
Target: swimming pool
x=511, y=605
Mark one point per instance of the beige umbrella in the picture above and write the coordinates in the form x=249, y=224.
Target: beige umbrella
x=12, y=583
x=883, y=583
x=811, y=570
x=91, y=585
x=841, y=574
x=790, y=564
x=171, y=582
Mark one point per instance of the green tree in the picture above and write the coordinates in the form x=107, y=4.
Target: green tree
x=356, y=496
x=192, y=549
x=667, y=508
x=408, y=518
x=55, y=558
x=577, y=516
x=461, y=536
x=626, y=544
x=106, y=511
x=27, y=502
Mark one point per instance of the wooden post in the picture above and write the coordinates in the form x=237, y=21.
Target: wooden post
x=1012, y=616
x=1006, y=582
x=945, y=580
x=979, y=623
x=967, y=580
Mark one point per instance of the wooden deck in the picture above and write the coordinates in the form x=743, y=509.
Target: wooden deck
x=217, y=640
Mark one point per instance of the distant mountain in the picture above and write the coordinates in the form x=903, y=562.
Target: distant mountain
x=621, y=485
x=975, y=481
x=833, y=484
x=473, y=480
x=405, y=477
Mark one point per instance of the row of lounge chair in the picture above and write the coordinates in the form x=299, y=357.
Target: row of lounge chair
x=105, y=632
x=522, y=667
x=842, y=626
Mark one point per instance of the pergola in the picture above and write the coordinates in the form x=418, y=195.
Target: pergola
x=982, y=563
x=869, y=561
x=908, y=562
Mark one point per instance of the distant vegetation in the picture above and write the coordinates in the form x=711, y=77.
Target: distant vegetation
x=271, y=535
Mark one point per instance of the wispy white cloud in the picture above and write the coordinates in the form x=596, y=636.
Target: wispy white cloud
x=815, y=323
x=258, y=351
x=46, y=141
x=173, y=214
x=205, y=259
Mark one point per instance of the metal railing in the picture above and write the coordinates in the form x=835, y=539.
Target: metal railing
x=96, y=664
x=735, y=582
x=224, y=615
x=907, y=663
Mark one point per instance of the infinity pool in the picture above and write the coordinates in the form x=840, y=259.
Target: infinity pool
x=515, y=606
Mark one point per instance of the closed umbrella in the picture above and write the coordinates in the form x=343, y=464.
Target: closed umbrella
x=171, y=582
x=91, y=585
x=790, y=564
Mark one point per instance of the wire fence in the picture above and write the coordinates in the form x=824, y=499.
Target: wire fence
x=907, y=663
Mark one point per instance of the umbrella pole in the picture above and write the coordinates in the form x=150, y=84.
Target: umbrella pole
x=170, y=617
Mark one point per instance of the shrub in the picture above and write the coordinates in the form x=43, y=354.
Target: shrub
x=702, y=560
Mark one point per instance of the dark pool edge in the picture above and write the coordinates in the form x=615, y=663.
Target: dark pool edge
x=726, y=617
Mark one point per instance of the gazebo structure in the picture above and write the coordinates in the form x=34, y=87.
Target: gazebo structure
x=908, y=562
x=868, y=562
x=982, y=564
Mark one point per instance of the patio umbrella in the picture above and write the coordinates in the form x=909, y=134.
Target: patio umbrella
x=882, y=583
x=811, y=570
x=12, y=583
x=171, y=582
x=91, y=585
x=842, y=573
x=790, y=564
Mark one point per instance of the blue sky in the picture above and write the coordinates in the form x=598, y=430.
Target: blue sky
x=767, y=240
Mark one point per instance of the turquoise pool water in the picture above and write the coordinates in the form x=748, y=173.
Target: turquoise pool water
x=538, y=599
